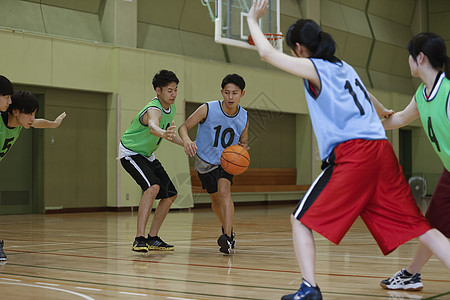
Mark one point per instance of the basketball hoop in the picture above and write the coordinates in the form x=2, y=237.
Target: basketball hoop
x=275, y=39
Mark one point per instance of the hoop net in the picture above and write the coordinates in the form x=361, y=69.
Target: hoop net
x=275, y=39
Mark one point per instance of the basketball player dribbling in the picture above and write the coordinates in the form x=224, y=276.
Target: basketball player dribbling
x=221, y=123
x=355, y=152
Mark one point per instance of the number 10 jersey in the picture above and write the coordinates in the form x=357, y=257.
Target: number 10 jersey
x=219, y=131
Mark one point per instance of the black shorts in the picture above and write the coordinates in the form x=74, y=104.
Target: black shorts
x=209, y=180
x=147, y=173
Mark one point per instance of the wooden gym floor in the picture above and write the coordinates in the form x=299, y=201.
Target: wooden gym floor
x=88, y=256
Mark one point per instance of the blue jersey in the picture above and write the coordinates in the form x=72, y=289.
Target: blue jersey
x=342, y=109
x=219, y=131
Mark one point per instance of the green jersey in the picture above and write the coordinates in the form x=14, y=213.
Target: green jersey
x=138, y=138
x=435, y=116
x=8, y=135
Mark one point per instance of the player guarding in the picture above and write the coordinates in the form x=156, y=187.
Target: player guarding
x=355, y=153
x=427, y=57
x=136, y=152
x=221, y=123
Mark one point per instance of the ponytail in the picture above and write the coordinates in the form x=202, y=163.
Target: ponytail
x=306, y=32
x=326, y=48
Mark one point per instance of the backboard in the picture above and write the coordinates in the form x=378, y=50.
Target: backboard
x=231, y=22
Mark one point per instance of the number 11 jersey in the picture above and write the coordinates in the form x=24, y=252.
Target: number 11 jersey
x=341, y=110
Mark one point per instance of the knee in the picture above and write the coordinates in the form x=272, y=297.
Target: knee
x=224, y=194
x=172, y=199
x=152, y=191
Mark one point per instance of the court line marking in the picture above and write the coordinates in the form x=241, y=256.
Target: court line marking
x=50, y=288
x=219, y=267
x=381, y=258
x=89, y=289
x=228, y=297
x=46, y=283
x=10, y=279
x=210, y=283
x=133, y=287
x=133, y=294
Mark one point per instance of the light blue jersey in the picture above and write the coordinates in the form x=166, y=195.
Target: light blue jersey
x=342, y=110
x=219, y=131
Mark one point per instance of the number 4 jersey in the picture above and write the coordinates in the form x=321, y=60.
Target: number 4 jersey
x=341, y=110
x=219, y=131
x=434, y=114
x=8, y=135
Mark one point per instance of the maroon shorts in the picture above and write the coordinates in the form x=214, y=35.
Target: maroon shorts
x=364, y=179
x=438, y=212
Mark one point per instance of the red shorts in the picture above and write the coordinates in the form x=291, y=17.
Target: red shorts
x=438, y=212
x=363, y=179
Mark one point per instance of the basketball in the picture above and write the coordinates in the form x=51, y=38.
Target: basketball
x=235, y=159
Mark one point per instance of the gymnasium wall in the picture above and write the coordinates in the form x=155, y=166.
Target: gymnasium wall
x=72, y=48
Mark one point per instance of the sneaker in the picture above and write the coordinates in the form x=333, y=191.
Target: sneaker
x=403, y=281
x=140, y=244
x=226, y=243
x=233, y=242
x=2, y=253
x=306, y=292
x=156, y=243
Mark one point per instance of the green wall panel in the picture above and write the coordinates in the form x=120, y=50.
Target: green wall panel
x=70, y=23
x=81, y=66
x=21, y=15
x=27, y=58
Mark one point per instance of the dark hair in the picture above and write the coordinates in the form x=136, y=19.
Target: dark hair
x=433, y=46
x=306, y=32
x=6, y=87
x=235, y=79
x=24, y=101
x=164, y=78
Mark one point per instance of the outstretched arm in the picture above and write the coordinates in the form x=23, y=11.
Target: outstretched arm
x=197, y=116
x=152, y=117
x=301, y=67
x=43, y=123
x=402, y=118
x=382, y=111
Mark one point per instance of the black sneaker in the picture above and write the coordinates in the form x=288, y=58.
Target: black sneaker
x=156, y=243
x=2, y=253
x=140, y=244
x=233, y=242
x=306, y=292
x=403, y=281
x=226, y=243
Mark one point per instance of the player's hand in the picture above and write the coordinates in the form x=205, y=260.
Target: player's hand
x=386, y=113
x=246, y=147
x=170, y=132
x=190, y=148
x=59, y=119
x=259, y=8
